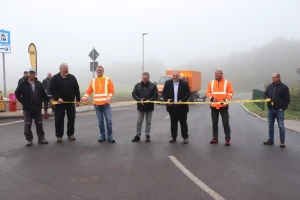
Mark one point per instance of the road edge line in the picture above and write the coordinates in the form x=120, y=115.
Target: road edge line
x=198, y=182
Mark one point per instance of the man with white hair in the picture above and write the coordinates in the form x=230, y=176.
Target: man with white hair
x=64, y=87
x=219, y=92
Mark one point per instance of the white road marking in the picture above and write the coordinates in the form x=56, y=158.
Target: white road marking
x=167, y=117
x=202, y=185
x=11, y=123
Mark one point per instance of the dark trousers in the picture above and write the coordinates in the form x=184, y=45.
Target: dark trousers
x=33, y=114
x=177, y=114
x=60, y=110
x=225, y=120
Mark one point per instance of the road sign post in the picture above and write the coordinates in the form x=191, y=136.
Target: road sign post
x=4, y=48
x=94, y=55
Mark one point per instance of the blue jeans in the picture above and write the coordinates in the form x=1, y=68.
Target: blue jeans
x=101, y=112
x=279, y=116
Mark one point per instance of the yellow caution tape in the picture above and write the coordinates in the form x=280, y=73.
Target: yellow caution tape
x=164, y=102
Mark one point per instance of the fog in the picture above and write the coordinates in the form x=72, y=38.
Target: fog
x=248, y=39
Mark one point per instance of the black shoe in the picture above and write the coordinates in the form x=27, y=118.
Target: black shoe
x=172, y=140
x=185, y=140
x=148, y=138
x=136, y=139
x=43, y=141
x=282, y=145
x=269, y=142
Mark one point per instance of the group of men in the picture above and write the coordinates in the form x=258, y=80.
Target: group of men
x=64, y=87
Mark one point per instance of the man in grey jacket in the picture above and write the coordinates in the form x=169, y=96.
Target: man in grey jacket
x=46, y=85
x=144, y=91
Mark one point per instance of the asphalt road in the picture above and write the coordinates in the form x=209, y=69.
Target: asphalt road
x=86, y=169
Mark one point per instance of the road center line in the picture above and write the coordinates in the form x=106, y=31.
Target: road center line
x=11, y=123
x=202, y=185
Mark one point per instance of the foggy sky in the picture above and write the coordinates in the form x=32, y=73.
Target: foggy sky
x=178, y=31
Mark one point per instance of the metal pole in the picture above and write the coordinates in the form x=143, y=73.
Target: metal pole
x=4, y=81
x=143, y=53
x=93, y=63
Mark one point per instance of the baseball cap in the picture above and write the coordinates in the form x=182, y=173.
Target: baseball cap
x=32, y=70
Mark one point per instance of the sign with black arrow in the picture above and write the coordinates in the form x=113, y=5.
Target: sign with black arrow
x=5, y=49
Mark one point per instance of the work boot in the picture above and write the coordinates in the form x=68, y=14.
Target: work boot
x=148, y=138
x=269, y=142
x=110, y=139
x=72, y=137
x=282, y=145
x=29, y=143
x=227, y=142
x=102, y=138
x=43, y=141
x=172, y=140
x=185, y=140
x=214, y=141
x=59, y=139
x=136, y=139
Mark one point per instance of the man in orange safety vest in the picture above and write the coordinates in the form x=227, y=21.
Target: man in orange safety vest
x=219, y=90
x=103, y=89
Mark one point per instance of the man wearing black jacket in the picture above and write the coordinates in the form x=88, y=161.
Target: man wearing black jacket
x=64, y=87
x=25, y=76
x=30, y=93
x=144, y=91
x=177, y=90
x=279, y=96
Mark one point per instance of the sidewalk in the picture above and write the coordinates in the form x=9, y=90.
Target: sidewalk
x=81, y=109
x=293, y=125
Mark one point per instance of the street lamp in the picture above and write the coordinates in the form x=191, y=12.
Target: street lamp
x=143, y=49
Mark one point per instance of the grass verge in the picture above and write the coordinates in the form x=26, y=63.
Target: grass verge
x=289, y=114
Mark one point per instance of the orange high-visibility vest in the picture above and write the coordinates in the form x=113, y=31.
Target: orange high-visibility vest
x=219, y=90
x=103, y=89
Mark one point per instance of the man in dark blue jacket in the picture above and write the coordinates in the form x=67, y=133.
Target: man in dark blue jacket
x=144, y=91
x=30, y=93
x=279, y=96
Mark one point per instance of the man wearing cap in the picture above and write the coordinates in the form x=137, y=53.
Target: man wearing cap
x=25, y=76
x=30, y=93
x=219, y=92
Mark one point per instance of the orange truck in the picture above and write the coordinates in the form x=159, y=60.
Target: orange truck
x=192, y=77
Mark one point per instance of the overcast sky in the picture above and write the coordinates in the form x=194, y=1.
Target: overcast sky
x=178, y=31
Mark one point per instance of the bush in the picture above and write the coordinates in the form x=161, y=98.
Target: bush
x=295, y=97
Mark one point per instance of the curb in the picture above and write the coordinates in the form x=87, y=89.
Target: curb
x=257, y=116
x=126, y=103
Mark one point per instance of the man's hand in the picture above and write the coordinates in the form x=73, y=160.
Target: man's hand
x=50, y=102
x=60, y=101
x=280, y=109
x=83, y=99
x=212, y=99
x=169, y=100
x=225, y=101
x=268, y=99
x=106, y=100
x=142, y=101
x=77, y=104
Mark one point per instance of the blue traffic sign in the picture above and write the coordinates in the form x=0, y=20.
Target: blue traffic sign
x=4, y=37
